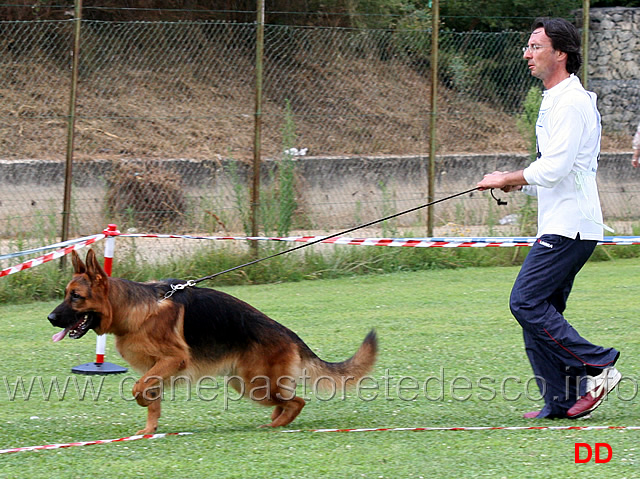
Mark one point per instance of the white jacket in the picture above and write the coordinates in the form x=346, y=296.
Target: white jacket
x=636, y=139
x=564, y=175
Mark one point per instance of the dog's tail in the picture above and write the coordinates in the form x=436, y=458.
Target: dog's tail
x=327, y=375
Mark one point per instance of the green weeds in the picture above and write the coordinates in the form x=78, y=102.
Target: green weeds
x=315, y=262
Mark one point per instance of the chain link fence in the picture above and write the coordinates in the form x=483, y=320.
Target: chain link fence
x=164, y=127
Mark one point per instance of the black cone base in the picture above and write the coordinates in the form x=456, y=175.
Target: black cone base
x=98, y=368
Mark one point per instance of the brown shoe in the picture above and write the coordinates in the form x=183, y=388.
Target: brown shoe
x=534, y=415
x=602, y=385
x=531, y=415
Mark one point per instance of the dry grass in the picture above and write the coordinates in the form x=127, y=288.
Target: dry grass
x=380, y=111
x=146, y=195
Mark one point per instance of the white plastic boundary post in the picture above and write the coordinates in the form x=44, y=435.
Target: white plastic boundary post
x=99, y=366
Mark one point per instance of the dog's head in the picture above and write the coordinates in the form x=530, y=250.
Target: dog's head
x=86, y=305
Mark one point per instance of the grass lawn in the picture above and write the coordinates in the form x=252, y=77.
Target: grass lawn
x=450, y=355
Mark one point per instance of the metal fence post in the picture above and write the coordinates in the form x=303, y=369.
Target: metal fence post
x=435, y=18
x=66, y=206
x=257, y=141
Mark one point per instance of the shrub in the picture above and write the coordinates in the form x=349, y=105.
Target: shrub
x=145, y=195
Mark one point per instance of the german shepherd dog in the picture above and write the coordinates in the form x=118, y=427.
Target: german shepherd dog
x=197, y=332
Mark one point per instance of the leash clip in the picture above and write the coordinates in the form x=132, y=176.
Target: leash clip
x=178, y=287
x=500, y=201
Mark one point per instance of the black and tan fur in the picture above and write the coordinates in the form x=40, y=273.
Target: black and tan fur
x=197, y=332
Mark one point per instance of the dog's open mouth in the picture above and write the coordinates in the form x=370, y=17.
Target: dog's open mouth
x=77, y=330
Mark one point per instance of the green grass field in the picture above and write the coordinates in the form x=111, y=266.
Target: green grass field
x=450, y=330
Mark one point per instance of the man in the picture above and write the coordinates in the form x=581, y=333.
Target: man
x=569, y=227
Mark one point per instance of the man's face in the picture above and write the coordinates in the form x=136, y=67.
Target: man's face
x=542, y=59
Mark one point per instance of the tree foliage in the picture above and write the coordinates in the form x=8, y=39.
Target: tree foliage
x=501, y=15
x=460, y=15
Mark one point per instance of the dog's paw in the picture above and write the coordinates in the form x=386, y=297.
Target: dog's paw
x=140, y=396
x=146, y=430
x=145, y=395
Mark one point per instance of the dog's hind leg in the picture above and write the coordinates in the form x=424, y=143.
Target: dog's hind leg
x=279, y=392
x=286, y=412
x=276, y=412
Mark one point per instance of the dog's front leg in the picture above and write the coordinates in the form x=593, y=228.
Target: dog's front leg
x=153, y=415
x=148, y=389
x=148, y=393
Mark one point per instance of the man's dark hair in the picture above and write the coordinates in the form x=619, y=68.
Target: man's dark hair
x=564, y=38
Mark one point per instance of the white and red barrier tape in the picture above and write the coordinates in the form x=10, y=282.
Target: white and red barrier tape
x=90, y=443
x=45, y=248
x=441, y=242
x=51, y=256
x=343, y=240
x=474, y=428
x=378, y=429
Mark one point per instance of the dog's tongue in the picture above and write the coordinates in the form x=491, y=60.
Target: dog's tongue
x=60, y=336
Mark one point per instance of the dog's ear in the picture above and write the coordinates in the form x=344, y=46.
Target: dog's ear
x=94, y=270
x=78, y=266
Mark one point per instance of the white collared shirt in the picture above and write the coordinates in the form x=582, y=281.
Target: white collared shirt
x=564, y=176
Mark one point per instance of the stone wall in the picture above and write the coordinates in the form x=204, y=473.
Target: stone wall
x=614, y=66
x=333, y=193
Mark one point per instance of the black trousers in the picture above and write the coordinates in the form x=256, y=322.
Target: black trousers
x=558, y=354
